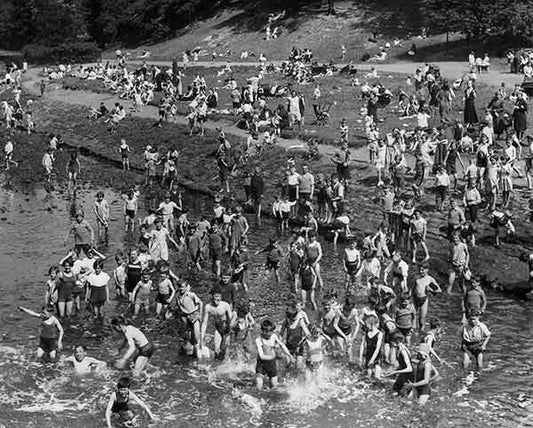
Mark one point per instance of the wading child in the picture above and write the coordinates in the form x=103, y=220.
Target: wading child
x=222, y=314
x=405, y=317
x=137, y=344
x=432, y=335
x=101, y=211
x=118, y=404
x=371, y=347
x=130, y=210
x=141, y=294
x=423, y=285
x=82, y=363
x=267, y=345
x=190, y=312
x=124, y=151
x=165, y=292
x=51, y=337
x=294, y=329
x=475, y=336
x=313, y=346
x=273, y=257
x=97, y=289
x=308, y=280
x=119, y=275
x=404, y=371
x=424, y=374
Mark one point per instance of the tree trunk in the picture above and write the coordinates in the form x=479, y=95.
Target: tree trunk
x=331, y=7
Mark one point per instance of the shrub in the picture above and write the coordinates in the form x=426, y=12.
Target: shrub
x=75, y=52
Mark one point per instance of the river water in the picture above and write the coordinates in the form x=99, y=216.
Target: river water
x=182, y=393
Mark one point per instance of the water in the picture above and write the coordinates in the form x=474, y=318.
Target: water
x=190, y=394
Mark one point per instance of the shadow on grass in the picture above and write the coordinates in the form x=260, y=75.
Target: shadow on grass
x=458, y=50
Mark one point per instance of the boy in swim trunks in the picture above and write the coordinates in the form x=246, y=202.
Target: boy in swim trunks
x=423, y=285
x=273, y=258
x=222, y=315
x=475, y=336
x=130, y=210
x=267, y=345
x=190, y=312
x=405, y=316
x=119, y=404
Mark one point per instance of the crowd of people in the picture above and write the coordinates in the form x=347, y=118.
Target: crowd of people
x=389, y=268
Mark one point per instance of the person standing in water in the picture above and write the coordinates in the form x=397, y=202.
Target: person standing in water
x=83, y=234
x=222, y=315
x=51, y=338
x=136, y=342
x=424, y=374
x=101, y=211
x=267, y=344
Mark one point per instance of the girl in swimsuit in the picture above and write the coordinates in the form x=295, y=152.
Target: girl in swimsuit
x=371, y=347
x=51, y=339
x=424, y=373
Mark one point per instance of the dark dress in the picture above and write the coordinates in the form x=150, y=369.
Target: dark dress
x=520, y=116
x=497, y=109
x=470, y=115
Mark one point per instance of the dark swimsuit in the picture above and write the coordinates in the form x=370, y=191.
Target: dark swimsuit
x=66, y=285
x=424, y=389
x=371, y=345
x=402, y=378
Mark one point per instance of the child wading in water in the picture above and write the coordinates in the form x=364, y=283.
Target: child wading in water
x=118, y=404
x=51, y=339
x=314, y=353
x=267, y=345
x=371, y=347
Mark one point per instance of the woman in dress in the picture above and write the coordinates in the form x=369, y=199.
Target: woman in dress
x=520, y=115
x=470, y=115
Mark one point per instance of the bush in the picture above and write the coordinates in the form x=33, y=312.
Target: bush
x=75, y=52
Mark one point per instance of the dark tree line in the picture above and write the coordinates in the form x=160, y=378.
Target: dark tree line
x=132, y=22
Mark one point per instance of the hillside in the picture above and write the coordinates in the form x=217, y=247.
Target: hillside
x=237, y=30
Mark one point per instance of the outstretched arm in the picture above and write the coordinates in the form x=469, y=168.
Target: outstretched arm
x=142, y=404
x=30, y=312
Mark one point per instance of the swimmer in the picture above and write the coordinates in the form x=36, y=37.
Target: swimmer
x=119, y=404
x=136, y=341
x=51, y=338
x=82, y=363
